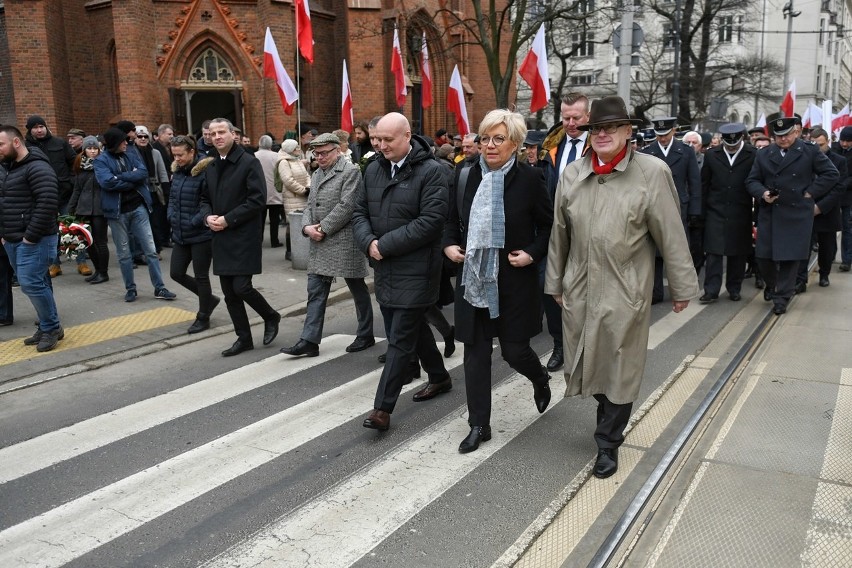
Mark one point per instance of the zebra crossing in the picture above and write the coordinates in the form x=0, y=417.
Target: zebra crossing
x=335, y=527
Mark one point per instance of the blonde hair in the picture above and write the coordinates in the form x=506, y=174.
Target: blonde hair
x=514, y=122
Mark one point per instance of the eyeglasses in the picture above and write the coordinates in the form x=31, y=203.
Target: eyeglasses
x=496, y=140
x=607, y=128
x=145, y=136
x=319, y=154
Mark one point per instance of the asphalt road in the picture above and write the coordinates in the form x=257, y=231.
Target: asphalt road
x=180, y=457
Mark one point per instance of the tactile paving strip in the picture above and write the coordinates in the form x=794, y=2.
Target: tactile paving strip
x=14, y=350
x=732, y=519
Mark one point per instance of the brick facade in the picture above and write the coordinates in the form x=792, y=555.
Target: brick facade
x=88, y=63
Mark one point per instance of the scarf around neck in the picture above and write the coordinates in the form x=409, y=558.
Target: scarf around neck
x=87, y=163
x=606, y=168
x=486, y=235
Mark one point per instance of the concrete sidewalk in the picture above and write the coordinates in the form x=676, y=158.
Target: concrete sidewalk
x=772, y=486
x=101, y=326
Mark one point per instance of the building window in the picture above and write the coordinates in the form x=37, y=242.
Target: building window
x=668, y=36
x=210, y=67
x=821, y=31
x=583, y=44
x=818, y=78
x=827, y=84
x=726, y=29
x=739, y=30
x=587, y=79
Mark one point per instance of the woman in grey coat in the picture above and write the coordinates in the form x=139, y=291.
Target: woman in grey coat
x=327, y=221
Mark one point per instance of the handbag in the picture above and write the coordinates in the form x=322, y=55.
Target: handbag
x=157, y=190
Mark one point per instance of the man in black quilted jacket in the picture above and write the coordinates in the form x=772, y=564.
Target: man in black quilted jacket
x=29, y=193
x=398, y=222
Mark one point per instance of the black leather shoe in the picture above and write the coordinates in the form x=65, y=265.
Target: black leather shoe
x=450, y=342
x=303, y=347
x=557, y=359
x=767, y=295
x=759, y=283
x=607, y=463
x=477, y=434
x=98, y=278
x=377, y=420
x=735, y=296
x=91, y=276
x=801, y=288
x=823, y=282
x=431, y=390
x=238, y=347
x=708, y=299
x=270, y=329
x=360, y=344
x=199, y=325
x=778, y=309
x=383, y=357
x=541, y=393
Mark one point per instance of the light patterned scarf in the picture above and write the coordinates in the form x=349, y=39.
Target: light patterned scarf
x=486, y=235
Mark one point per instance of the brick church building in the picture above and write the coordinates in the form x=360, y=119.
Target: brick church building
x=89, y=63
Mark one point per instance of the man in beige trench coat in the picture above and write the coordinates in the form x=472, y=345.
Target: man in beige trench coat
x=612, y=208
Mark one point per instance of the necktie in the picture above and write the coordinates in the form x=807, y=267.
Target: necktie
x=572, y=155
x=394, y=170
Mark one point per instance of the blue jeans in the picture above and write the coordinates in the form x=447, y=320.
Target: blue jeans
x=135, y=223
x=30, y=261
x=846, y=235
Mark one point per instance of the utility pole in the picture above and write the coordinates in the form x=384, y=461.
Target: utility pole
x=625, y=52
x=789, y=14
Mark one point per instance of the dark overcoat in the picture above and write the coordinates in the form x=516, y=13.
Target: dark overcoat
x=728, y=207
x=829, y=204
x=236, y=189
x=529, y=217
x=687, y=178
x=784, y=227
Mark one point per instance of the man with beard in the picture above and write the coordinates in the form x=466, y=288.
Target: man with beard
x=28, y=209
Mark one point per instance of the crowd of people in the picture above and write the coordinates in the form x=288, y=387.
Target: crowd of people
x=575, y=226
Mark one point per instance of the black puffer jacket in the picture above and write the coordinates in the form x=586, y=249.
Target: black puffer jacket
x=406, y=214
x=86, y=199
x=184, y=210
x=28, y=198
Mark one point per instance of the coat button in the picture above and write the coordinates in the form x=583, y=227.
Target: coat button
x=601, y=180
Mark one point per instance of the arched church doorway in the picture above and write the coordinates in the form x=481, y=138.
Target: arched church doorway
x=211, y=90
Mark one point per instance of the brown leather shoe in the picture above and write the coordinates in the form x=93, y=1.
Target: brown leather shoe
x=431, y=390
x=54, y=270
x=377, y=420
x=84, y=269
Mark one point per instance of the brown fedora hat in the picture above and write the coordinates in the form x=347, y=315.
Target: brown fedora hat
x=609, y=109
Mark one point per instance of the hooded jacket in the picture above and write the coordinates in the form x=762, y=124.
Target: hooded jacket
x=406, y=215
x=29, y=198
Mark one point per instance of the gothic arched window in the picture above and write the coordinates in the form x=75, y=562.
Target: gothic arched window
x=210, y=67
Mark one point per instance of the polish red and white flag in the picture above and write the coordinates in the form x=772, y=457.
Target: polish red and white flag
x=305, y=30
x=425, y=76
x=347, y=119
x=812, y=116
x=761, y=123
x=840, y=120
x=398, y=69
x=274, y=69
x=534, y=71
x=788, y=105
x=456, y=104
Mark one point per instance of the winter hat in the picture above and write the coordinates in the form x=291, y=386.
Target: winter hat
x=76, y=132
x=143, y=131
x=34, y=121
x=113, y=138
x=289, y=146
x=445, y=150
x=846, y=134
x=90, y=142
x=125, y=126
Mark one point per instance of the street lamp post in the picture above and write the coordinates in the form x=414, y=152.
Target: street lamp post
x=676, y=70
x=789, y=14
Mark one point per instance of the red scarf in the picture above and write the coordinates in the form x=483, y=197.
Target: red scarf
x=608, y=166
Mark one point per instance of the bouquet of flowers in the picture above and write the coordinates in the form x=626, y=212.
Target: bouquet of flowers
x=365, y=159
x=74, y=237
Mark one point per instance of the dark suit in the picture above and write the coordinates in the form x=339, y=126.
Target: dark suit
x=727, y=216
x=236, y=189
x=785, y=226
x=529, y=217
x=687, y=178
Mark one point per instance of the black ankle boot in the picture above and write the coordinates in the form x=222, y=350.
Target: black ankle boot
x=477, y=434
x=541, y=391
x=201, y=323
x=99, y=278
